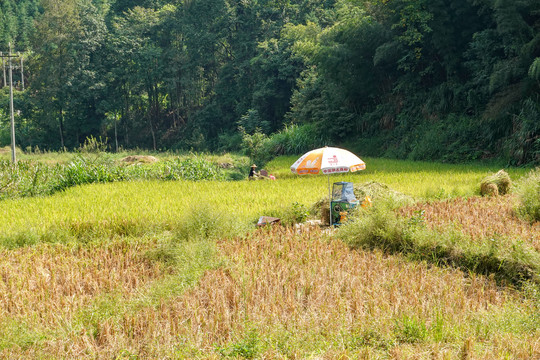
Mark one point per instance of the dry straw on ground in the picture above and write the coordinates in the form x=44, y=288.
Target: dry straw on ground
x=305, y=294
x=496, y=184
x=147, y=159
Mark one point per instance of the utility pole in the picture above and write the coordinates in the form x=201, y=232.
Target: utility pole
x=9, y=56
x=115, y=131
x=11, y=109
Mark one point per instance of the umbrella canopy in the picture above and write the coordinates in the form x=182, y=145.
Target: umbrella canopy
x=328, y=160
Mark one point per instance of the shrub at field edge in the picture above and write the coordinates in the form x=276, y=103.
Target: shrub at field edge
x=528, y=190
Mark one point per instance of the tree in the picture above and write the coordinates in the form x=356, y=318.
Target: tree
x=68, y=39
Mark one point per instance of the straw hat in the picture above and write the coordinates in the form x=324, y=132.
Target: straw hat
x=253, y=166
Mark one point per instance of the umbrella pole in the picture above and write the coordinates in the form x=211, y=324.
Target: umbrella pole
x=329, y=203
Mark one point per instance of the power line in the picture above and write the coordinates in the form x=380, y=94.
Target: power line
x=19, y=66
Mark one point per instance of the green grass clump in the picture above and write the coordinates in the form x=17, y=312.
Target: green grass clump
x=81, y=171
x=194, y=169
x=27, y=178
x=528, y=190
x=17, y=332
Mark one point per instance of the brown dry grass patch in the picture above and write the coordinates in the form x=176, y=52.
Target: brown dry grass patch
x=48, y=284
x=305, y=294
x=480, y=218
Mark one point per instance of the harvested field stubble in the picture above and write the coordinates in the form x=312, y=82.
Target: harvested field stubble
x=479, y=217
x=46, y=285
x=289, y=295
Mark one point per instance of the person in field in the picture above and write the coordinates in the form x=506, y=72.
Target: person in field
x=253, y=174
x=262, y=175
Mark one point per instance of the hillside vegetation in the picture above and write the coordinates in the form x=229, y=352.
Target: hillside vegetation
x=419, y=79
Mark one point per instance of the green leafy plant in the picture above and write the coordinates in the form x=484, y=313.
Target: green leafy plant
x=254, y=145
x=294, y=214
x=247, y=348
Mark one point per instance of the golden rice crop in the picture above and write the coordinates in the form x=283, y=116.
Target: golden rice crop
x=139, y=207
x=416, y=178
x=288, y=295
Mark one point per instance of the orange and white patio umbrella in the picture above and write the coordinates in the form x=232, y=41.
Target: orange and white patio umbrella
x=327, y=160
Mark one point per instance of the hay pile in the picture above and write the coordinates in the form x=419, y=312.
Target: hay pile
x=321, y=209
x=147, y=159
x=496, y=184
x=379, y=192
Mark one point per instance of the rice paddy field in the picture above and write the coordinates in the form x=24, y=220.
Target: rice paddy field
x=178, y=270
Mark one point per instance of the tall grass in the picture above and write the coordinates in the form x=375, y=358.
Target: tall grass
x=295, y=139
x=27, y=178
x=30, y=178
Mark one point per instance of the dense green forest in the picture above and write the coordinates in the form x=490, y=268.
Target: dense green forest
x=448, y=80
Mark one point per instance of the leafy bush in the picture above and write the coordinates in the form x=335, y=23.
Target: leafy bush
x=254, y=146
x=378, y=227
x=523, y=145
x=229, y=142
x=294, y=140
x=528, y=190
x=294, y=214
x=452, y=139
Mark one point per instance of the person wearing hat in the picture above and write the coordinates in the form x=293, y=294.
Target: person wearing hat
x=252, y=173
